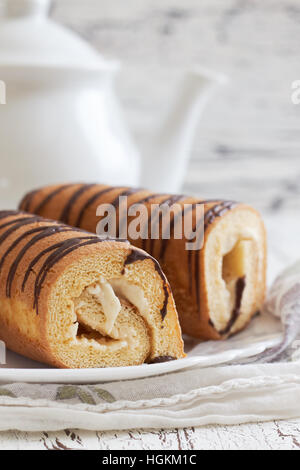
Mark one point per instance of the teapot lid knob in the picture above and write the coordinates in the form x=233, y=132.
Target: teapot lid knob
x=28, y=37
x=22, y=8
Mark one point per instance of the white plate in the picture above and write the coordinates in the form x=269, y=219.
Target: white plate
x=264, y=332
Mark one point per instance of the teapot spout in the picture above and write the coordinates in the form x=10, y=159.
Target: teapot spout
x=167, y=157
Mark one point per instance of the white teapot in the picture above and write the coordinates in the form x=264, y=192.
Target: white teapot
x=62, y=121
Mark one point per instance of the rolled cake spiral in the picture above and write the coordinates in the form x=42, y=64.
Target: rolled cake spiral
x=217, y=288
x=75, y=300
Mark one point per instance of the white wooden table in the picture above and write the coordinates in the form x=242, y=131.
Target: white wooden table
x=247, y=147
x=275, y=435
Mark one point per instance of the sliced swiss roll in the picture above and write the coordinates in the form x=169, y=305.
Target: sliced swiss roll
x=75, y=300
x=218, y=285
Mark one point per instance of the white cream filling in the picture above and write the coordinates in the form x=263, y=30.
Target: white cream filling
x=134, y=294
x=107, y=293
x=104, y=294
x=103, y=343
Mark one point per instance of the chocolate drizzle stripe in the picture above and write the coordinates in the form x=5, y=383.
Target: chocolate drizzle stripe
x=152, y=217
x=17, y=241
x=68, y=247
x=116, y=201
x=36, y=260
x=64, y=217
x=39, y=232
x=55, y=247
x=196, y=254
x=127, y=192
x=26, y=201
x=172, y=200
x=144, y=200
x=15, y=225
x=174, y=220
x=13, y=221
x=48, y=198
x=239, y=290
x=217, y=211
x=163, y=310
x=160, y=359
x=89, y=202
x=164, y=242
x=47, y=231
x=5, y=214
x=136, y=255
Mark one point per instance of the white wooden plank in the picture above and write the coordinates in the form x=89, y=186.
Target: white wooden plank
x=281, y=435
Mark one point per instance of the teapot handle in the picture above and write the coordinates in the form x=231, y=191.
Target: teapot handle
x=27, y=8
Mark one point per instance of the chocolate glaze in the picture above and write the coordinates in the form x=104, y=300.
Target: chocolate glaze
x=144, y=200
x=57, y=251
x=26, y=201
x=191, y=207
x=64, y=217
x=15, y=224
x=116, y=203
x=196, y=254
x=126, y=192
x=67, y=247
x=156, y=221
x=197, y=274
x=46, y=231
x=48, y=198
x=5, y=214
x=36, y=260
x=217, y=211
x=18, y=240
x=170, y=201
x=89, y=202
x=239, y=290
x=136, y=255
x=160, y=359
x=145, y=234
x=163, y=310
x=164, y=241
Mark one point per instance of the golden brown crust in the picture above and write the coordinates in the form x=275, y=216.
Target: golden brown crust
x=185, y=270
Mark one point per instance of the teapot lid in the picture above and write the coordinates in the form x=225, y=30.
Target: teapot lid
x=29, y=38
